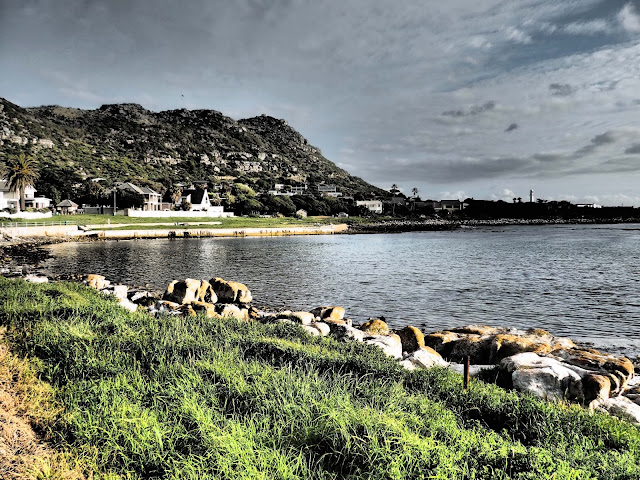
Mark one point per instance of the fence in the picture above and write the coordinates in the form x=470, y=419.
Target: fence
x=33, y=224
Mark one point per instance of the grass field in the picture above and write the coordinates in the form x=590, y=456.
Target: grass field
x=196, y=398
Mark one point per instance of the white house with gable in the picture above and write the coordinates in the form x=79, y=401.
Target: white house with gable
x=11, y=198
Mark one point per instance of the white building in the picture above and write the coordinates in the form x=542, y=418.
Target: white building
x=374, y=206
x=11, y=198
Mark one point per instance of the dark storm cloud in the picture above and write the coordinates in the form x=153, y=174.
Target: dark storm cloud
x=512, y=127
x=633, y=149
x=474, y=110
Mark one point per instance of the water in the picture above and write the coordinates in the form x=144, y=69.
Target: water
x=573, y=280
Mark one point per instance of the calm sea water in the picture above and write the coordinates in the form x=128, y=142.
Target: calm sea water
x=573, y=280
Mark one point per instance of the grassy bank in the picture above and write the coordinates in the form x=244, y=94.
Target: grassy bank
x=144, y=397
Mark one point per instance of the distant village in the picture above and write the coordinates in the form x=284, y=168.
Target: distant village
x=228, y=199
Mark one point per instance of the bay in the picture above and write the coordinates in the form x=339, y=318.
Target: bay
x=581, y=281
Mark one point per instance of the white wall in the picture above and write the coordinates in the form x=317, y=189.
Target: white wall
x=213, y=212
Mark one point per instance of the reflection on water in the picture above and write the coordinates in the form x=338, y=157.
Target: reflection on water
x=580, y=281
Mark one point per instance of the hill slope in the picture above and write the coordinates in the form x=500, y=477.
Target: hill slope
x=126, y=142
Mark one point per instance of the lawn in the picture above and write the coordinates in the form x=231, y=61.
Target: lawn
x=197, y=398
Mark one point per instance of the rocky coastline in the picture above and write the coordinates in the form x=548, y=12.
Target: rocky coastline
x=531, y=361
x=410, y=225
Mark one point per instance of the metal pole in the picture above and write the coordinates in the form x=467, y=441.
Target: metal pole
x=467, y=364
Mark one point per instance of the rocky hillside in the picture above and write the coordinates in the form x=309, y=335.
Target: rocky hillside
x=126, y=142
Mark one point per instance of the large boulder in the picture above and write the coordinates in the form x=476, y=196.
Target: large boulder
x=189, y=291
x=594, y=360
x=389, y=344
x=230, y=292
x=329, y=313
x=303, y=318
x=375, y=326
x=543, y=377
x=346, y=332
x=424, y=357
x=209, y=309
x=229, y=310
x=621, y=407
x=505, y=345
x=412, y=339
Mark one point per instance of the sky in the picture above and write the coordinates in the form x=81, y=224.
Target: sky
x=463, y=98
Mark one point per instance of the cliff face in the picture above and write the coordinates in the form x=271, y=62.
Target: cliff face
x=128, y=142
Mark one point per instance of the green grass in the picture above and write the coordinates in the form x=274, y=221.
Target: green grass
x=202, y=398
x=232, y=222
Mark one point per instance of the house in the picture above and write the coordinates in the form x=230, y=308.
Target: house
x=449, y=205
x=11, y=198
x=374, y=206
x=67, y=207
x=329, y=190
x=151, y=197
x=198, y=198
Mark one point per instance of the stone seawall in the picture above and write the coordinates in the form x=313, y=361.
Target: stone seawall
x=217, y=232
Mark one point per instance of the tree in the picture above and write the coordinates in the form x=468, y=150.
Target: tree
x=175, y=193
x=20, y=172
x=394, y=189
x=414, y=191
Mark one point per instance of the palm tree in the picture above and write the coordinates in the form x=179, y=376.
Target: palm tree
x=20, y=173
x=414, y=191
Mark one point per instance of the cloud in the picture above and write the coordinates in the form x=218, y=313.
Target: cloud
x=512, y=127
x=560, y=89
x=473, y=110
x=517, y=36
x=629, y=18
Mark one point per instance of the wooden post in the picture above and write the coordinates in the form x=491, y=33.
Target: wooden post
x=467, y=364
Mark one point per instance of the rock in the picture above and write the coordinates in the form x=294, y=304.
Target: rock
x=303, y=318
x=209, y=309
x=230, y=292
x=329, y=313
x=478, y=330
x=31, y=278
x=595, y=387
x=506, y=345
x=230, y=310
x=412, y=339
x=120, y=291
x=96, y=281
x=595, y=360
x=389, y=344
x=187, y=310
x=441, y=342
x=621, y=407
x=127, y=304
x=322, y=327
x=425, y=357
x=143, y=298
x=345, y=332
x=474, y=370
x=543, y=377
x=164, y=306
x=375, y=326
x=311, y=330
x=188, y=291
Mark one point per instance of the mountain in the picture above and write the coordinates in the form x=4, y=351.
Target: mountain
x=126, y=142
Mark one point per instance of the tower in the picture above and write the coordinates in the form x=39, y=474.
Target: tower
x=531, y=196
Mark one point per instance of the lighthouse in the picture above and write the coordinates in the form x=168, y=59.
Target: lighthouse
x=531, y=196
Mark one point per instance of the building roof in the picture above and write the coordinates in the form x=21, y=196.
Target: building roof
x=67, y=203
x=197, y=195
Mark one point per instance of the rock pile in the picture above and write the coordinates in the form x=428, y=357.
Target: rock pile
x=532, y=361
